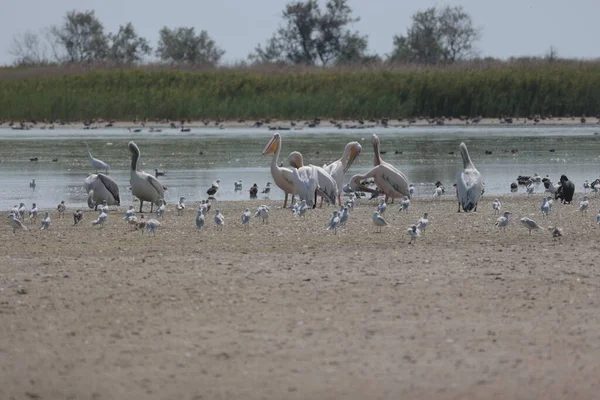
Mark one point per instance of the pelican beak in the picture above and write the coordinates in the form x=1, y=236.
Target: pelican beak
x=271, y=147
x=354, y=152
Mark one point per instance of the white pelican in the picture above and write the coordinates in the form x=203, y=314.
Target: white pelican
x=200, y=219
x=263, y=213
x=77, y=217
x=62, y=207
x=530, y=224
x=503, y=221
x=378, y=220
x=22, y=212
x=283, y=177
x=338, y=168
x=144, y=186
x=389, y=180
x=129, y=214
x=152, y=225
x=13, y=221
x=546, y=206
x=180, y=206
x=334, y=222
x=96, y=164
x=161, y=209
x=497, y=206
x=246, y=215
x=46, y=222
x=100, y=187
x=310, y=180
x=556, y=232
x=404, y=204
x=101, y=220
x=423, y=222
x=219, y=219
x=583, y=205
x=267, y=188
x=302, y=209
x=414, y=232
x=469, y=185
x=382, y=206
x=33, y=213
x=344, y=215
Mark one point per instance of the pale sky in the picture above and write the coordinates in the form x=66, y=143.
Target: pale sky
x=509, y=27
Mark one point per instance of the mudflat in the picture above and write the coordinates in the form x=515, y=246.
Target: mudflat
x=289, y=310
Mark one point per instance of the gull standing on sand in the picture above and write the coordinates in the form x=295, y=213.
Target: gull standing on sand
x=344, y=214
x=302, y=210
x=334, y=222
x=200, y=219
x=130, y=213
x=46, y=222
x=104, y=206
x=161, y=209
x=180, y=206
x=246, y=215
x=101, y=220
x=414, y=233
x=404, y=204
x=77, y=217
x=378, y=220
x=21, y=212
x=263, y=213
x=33, y=213
x=14, y=222
x=469, y=186
x=497, y=206
x=219, y=220
x=152, y=225
x=583, y=205
x=411, y=190
x=382, y=206
x=586, y=186
x=423, y=222
x=502, y=222
x=62, y=207
x=546, y=206
x=96, y=163
x=294, y=207
x=530, y=224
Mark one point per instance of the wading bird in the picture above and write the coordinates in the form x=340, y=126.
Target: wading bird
x=338, y=168
x=144, y=186
x=96, y=163
x=283, y=177
x=469, y=184
x=100, y=188
x=310, y=180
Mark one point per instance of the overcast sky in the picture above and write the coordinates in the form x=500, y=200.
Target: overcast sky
x=509, y=27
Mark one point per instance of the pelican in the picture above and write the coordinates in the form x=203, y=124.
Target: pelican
x=33, y=213
x=381, y=207
x=100, y=188
x=334, y=222
x=338, y=168
x=310, y=180
x=246, y=215
x=546, y=206
x=129, y=214
x=469, y=185
x=15, y=223
x=219, y=220
x=77, y=217
x=423, y=222
x=46, y=222
x=96, y=164
x=144, y=186
x=101, y=220
x=200, y=219
x=583, y=205
x=496, y=205
x=414, y=232
x=530, y=224
x=180, y=206
x=404, y=204
x=62, y=207
x=161, y=209
x=388, y=179
x=503, y=221
x=344, y=215
x=302, y=210
x=152, y=225
x=378, y=220
x=263, y=213
x=283, y=177
x=267, y=188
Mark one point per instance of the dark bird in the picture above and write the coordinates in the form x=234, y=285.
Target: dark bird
x=267, y=188
x=158, y=173
x=213, y=189
x=565, y=191
x=514, y=187
x=254, y=191
x=33, y=159
x=77, y=217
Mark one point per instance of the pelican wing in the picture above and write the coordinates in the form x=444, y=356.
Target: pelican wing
x=391, y=181
x=305, y=184
x=155, y=183
x=111, y=186
x=327, y=186
x=288, y=175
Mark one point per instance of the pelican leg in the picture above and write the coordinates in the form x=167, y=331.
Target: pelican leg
x=315, y=203
x=151, y=207
x=285, y=200
x=458, y=207
x=141, y=204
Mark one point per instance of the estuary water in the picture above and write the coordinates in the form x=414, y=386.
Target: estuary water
x=193, y=160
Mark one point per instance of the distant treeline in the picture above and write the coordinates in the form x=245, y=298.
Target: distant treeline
x=517, y=89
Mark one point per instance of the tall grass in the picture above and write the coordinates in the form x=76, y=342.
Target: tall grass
x=506, y=89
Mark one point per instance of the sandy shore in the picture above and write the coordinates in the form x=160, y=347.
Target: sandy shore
x=288, y=310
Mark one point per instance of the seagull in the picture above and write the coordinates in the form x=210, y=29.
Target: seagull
x=246, y=215
x=237, y=185
x=213, y=189
x=152, y=225
x=423, y=222
x=536, y=178
x=344, y=214
x=22, y=212
x=302, y=209
x=586, y=186
x=161, y=209
x=414, y=233
x=503, y=221
x=101, y=220
x=104, y=206
x=529, y=189
x=62, y=207
x=583, y=205
x=267, y=188
x=180, y=206
x=262, y=212
x=381, y=207
x=129, y=214
x=530, y=224
x=15, y=223
x=141, y=224
x=77, y=217
x=496, y=205
x=294, y=207
x=33, y=213
x=404, y=204
x=46, y=222
x=334, y=222
x=411, y=190
x=556, y=232
x=200, y=219
x=219, y=220
x=378, y=220
x=32, y=184
x=546, y=206
x=438, y=192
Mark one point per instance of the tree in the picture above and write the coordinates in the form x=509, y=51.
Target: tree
x=313, y=37
x=28, y=49
x=182, y=45
x=437, y=36
x=126, y=47
x=82, y=36
x=551, y=54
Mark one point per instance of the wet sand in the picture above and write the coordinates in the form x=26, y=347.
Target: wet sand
x=289, y=310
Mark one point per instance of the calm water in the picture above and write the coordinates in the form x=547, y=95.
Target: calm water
x=193, y=160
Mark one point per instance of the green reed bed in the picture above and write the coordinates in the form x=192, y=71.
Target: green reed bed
x=510, y=90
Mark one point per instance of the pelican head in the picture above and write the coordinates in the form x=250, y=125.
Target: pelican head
x=296, y=160
x=351, y=152
x=375, y=140
x=467, y=163
x=273, y=145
